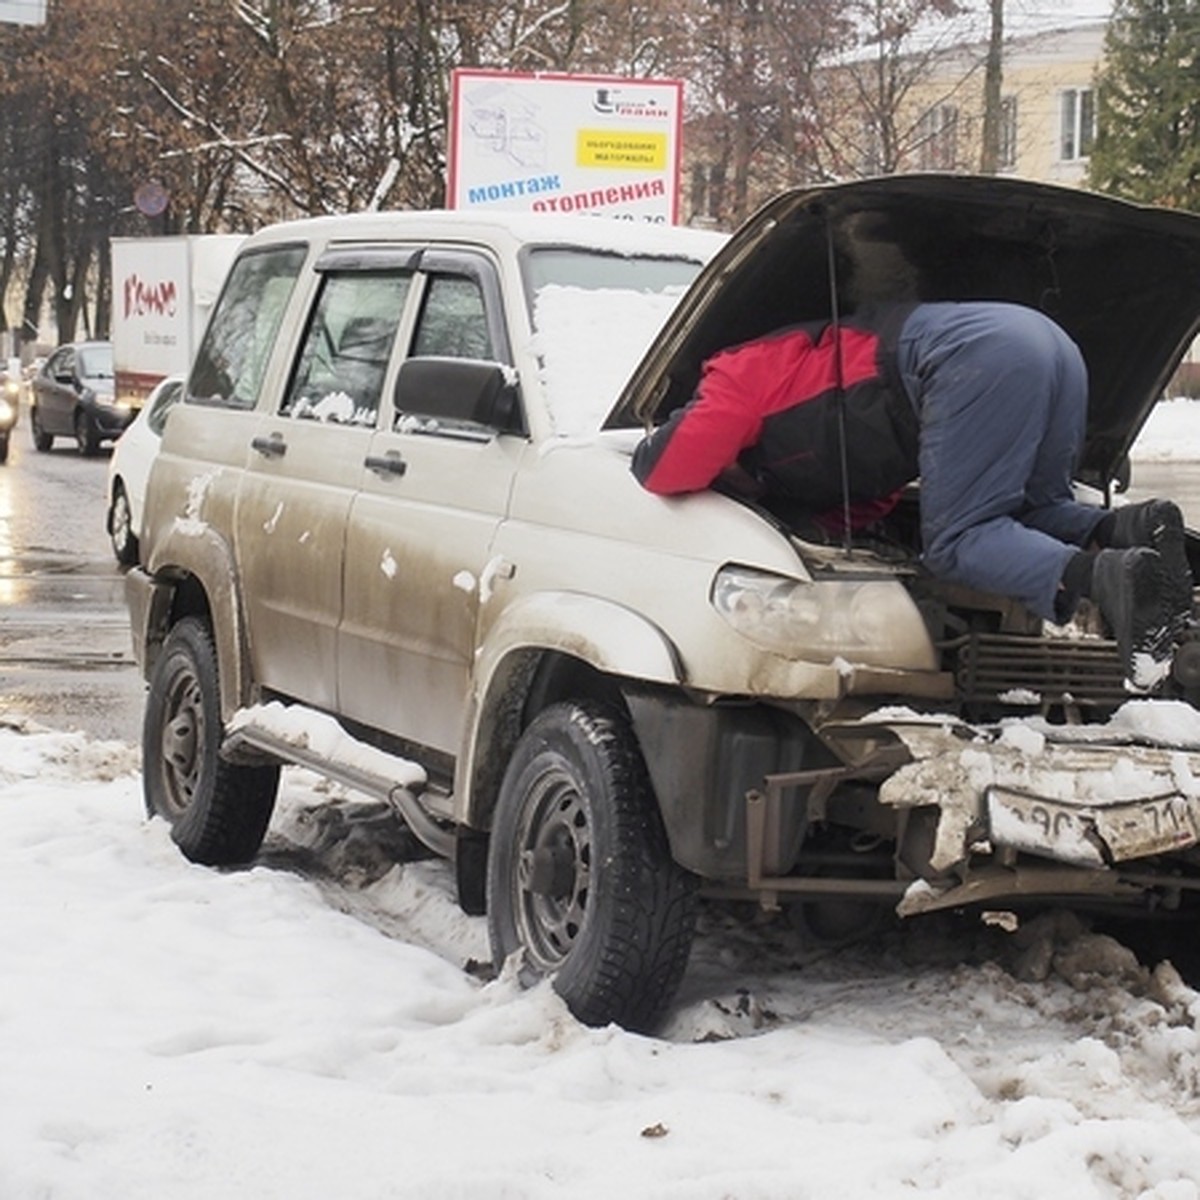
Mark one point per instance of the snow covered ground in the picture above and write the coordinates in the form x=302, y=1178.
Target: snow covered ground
x=1171, y=434
x=317, y=1027
x=324, y=1025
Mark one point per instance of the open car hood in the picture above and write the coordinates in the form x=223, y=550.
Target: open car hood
x=1122, y=279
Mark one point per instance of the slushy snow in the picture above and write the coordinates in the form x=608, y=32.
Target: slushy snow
x=325, y=1023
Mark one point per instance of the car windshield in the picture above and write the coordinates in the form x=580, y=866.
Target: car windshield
x=96, y=362
x=594, y=315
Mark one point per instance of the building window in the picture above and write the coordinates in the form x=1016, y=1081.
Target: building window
x=937, y=139
x=1008, y=134
x=1078, y=124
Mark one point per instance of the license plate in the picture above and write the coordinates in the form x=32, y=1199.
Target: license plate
x=1092, y=834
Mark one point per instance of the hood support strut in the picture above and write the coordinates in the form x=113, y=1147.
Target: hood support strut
x=839, y=384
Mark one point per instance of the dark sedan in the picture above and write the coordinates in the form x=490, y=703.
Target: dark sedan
x=74, y=396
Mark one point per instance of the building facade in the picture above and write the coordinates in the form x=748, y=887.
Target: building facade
x=1047, y=115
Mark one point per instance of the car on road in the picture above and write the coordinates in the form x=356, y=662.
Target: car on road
x=392, y=535
x=129, y=467
x=10, y=405
x=73, y=396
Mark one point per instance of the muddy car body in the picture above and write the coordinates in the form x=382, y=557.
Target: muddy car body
x=602, y=703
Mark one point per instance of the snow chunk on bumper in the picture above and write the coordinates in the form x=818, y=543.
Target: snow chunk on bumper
x=1087, y=796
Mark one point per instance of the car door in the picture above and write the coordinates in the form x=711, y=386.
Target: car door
x=307, y=462
x=418, y=545
x=56, y=392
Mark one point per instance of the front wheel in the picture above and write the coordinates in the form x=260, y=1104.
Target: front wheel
x=3, y=447
x=218, y=812
x=87, y=436
x=580, y=875
x=120, y=527
x=42, y=440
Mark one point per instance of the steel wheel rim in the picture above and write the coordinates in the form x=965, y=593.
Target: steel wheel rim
x=552, y=880
x=182, y=741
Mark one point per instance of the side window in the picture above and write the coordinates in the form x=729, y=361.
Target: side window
x=61, y=364
x=453, y=321
x=339, y=376
x=232, y=360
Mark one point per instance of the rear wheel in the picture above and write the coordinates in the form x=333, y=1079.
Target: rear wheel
x=120, y=527
x=41, y=439
x=218, y=812
x=580, y=875
x=3, y=447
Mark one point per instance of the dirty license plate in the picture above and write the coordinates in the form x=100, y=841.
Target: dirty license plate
x=1093, y=834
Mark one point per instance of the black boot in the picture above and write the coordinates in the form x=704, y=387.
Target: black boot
x=1159, y=525
x=1129, y=587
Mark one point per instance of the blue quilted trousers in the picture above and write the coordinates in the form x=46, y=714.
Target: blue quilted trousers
x=1001, y=395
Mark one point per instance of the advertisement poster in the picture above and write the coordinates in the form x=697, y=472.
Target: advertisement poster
x=583, y=144
x=23, y=12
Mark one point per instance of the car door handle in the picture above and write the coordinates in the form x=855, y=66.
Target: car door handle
x=388, y=464
x=270, y=447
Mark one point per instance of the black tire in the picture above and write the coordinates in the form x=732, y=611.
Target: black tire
x=42, y=441
x=86, y=435
x=580, y=875
x=218, y=812
x=3, y=448
x=120, y=527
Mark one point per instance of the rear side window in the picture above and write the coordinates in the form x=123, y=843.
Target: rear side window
x=233, y=358
x=340, y=373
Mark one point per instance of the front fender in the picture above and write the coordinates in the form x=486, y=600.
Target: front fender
x=608, y=637
x=190, y=548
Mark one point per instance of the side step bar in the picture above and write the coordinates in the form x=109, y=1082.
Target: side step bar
x=307, y=738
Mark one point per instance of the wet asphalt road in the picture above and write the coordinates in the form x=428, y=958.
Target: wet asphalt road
x=65, y=657
x=1179, y=481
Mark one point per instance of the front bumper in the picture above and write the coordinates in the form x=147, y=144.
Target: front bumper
x=1024, y=809
x=112, y=422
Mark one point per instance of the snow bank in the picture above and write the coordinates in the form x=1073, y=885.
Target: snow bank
x=1169, y=434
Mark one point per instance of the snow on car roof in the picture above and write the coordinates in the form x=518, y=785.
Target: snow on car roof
x=601, y=233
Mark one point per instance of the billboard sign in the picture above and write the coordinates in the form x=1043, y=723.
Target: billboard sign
x=594, y=144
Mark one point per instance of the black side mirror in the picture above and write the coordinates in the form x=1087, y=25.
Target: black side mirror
x=467, y=390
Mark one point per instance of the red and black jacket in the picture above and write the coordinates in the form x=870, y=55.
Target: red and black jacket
x=771, y=405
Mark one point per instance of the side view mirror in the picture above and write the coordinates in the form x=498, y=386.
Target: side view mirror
x=461, y=389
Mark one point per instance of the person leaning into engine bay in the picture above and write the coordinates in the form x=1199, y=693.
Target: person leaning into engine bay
x=985, y=402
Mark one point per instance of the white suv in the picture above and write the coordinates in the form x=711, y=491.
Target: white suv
x=392, y=534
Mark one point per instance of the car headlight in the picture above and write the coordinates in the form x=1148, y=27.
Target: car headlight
x=12, y=390
x=867, y=620
x=7, y=412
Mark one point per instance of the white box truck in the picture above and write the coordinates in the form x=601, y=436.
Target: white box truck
x=163, y=290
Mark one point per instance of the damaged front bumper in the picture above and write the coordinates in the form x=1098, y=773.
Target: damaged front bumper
x=1094, y=807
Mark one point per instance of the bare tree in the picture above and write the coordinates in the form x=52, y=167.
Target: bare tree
x=864, y=114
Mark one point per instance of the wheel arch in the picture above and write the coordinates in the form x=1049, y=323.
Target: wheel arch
x=195, y=575
x=546, y=648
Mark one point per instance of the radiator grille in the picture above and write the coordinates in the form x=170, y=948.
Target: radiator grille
x=1059, y=670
